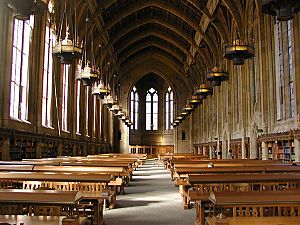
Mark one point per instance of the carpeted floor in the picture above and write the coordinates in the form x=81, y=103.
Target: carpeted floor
x=150, y=199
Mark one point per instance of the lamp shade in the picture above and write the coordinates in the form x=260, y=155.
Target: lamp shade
x=282, y=9
x=238, y=52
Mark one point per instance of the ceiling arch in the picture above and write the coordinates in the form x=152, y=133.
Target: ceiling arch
x=147, y=21
x=158, y=34
x=145, y=61
x=162, y=5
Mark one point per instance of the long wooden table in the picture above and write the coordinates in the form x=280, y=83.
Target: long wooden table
x=202, y=184
x=260, y=220
x=250, y=204
x=58, y=177
x=70, y=200
x=36, y=220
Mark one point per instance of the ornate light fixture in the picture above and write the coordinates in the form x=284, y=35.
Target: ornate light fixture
x=238, y=51
x=217, y=75
x=174, y=124
x=203, y=90
x=67, y=49
x=24, y=8
x=188, y=107
x=109, y=101
x=116, y=108
x=89, y=75
x=100, y=90
x=195, y=100
x=282, y=9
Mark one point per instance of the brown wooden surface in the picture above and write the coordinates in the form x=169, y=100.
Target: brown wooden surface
x=261, y=220
x=96, y=169
x=36, y=220
x=63, y=177
x=242, y=178
x=255, y=198
x=252, y=169
x=39, y=196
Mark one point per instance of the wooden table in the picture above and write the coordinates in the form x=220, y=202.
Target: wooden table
x=260, y=220
x=71, y=199
x=58, y=177
x=243, y=178
x=36, y=220
x=244, y=203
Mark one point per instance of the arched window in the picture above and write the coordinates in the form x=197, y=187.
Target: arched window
x=47, y=76
x=134, y=108
x=169, y=108
x=22, y=35
x=152, y=109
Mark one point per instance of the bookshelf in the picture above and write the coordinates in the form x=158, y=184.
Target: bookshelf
x=22, y=149
x=286, y=151
x=49, y=150
x=67, y=149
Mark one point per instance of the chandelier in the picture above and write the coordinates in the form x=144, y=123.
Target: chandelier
x=203, y=90
x=238, y=52
x=195, y=100
x=22, y=9
x=282, y=9
x=67, y=49
x=89, y=75
x=217, y=75
x=100, y=90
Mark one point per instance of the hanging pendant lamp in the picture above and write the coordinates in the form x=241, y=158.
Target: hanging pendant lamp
x=89, y=75
x=217, y=75
x=23, y=9
x=238, y=51
x=282, y=9
x=203, y=90
x=195, y=100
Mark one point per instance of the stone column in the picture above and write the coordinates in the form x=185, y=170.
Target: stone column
x=297, y=149
x=264, y=151
x=243, y=148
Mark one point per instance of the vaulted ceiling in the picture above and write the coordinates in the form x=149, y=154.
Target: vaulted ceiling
x=187, y=33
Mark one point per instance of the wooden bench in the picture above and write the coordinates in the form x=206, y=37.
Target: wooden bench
x=200, y=185
x=37, y=220
x=48, y=203
x=63, y=181
x=249, y=204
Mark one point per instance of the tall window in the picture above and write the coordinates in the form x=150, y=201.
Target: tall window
x=290, y=69
x=22, y=33
x=65, y=90
x=279, y=71
x=47, y=78
x=169, y=109
x=78, y=87
x=95, y=114
x=87, y=90
x=151, y=109
x=134, y=108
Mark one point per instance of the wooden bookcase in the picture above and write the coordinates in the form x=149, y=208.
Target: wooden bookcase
x=22, y=149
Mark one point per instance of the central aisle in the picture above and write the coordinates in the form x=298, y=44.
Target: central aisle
x=150, y=199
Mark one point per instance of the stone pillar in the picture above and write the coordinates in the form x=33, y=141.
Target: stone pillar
x=297, y=149
x=264, y=151
x=243, y=148
x=5, y=149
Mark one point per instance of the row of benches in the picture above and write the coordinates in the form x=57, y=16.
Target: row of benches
x=224, y=190
x=94, y=178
